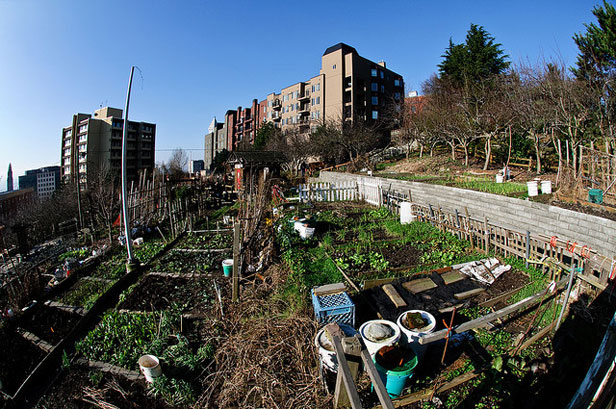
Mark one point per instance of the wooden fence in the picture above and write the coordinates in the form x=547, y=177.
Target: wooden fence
x=328, y=192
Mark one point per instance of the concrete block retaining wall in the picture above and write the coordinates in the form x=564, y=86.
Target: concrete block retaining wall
x=521, y=215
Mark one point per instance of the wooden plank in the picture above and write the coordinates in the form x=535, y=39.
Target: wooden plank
x=344, y=373
x=394, y=296
x=467, y=294
x=379, y=388
x=376, y=282
x=481, y=321
x=452, y=276
x=420, y=285
x=329, y=289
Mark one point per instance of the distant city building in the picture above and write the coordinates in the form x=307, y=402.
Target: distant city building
x=242, y=125
x=414, y=102
x=44, y=181
x=97, y=143
x=215, y=142
x=9, y=179
x=195, y=166
x=14, y=201
x=349, y=87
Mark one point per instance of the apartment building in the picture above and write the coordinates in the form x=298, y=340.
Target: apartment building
x=44, y=181
x=215, y=142
x=92, y=144
x=348, y=87
x=242, y=125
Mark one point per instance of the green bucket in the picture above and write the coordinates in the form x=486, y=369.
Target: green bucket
x=595, y=196
x=227, y=267
x=395, y=379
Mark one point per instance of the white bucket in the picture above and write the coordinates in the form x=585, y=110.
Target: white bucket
x=299, y=224
x=546, y=187
x=532, y=188
x=150, y=367
x=410, y=337
x=306, y=232
x=372, y=346
x=406, y=215
x=499, y=178
x=327, y=354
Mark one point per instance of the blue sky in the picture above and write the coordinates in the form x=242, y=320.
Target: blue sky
x=200, y=58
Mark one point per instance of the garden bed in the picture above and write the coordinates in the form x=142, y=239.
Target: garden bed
x=49, y=323
x=155, y=293
x=18, y=357
x=190, y=262
x=79, y=388
x=84, y=293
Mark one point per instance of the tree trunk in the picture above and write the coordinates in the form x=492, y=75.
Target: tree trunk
x=488, y=149
x=453, y=151
x=421, y=149
x=537, y=152
x=465, y=155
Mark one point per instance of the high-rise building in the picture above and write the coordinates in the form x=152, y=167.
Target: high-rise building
x=215, y=142
x=349, y=87
x=94, y=144
x=44, y=181
x=9, y=179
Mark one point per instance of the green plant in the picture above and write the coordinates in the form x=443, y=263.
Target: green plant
x=66, y=362
x=173, y=391
x=95, y=377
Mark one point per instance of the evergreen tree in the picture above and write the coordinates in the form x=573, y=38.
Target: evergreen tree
x=479, y=58
x=597, y=58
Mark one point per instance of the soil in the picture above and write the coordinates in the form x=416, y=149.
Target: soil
x=50, y=324
x=155, y=293
x=401, y=256
x=509, y=281
x=68, y=391
x=18, y=358
x=606, y=211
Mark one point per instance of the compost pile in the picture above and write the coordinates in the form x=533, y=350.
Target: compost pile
x=266, y=361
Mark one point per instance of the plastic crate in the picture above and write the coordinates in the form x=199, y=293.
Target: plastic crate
x=336, y=308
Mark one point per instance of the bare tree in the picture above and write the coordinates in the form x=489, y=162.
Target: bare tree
x=103, y=195
x=176, y=166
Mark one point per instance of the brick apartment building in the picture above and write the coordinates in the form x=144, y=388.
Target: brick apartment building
x=348, y=87
x=97, y=142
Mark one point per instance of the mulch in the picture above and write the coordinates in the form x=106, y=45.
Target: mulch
x=50, y=324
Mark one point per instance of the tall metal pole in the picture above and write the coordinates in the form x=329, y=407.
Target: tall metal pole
x=129, y=242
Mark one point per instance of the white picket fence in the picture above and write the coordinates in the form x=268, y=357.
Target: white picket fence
x=328, y=192
x=369, y=191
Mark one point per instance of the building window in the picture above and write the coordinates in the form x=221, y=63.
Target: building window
x=397, y=82
x=318, y=100
x=382, y=88
x=375, y=114
x=374, y=87
x=397, y=96
x=375, y=100
x=313, y=88
x=373, y=72
x=318, y=86
x=334, y=67
x=382, y=75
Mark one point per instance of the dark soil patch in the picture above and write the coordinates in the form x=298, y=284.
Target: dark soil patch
x=68, y=391
x=18, y=358
x=607, y=212
x=50, y=324
x=401, y=256
x=155, y=293
x=509, y=281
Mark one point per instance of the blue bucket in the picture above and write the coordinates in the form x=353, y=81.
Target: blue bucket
x=395, y=379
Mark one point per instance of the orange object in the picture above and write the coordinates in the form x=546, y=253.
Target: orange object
x=585, y=252
x=571, y=247
x=553, y=241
